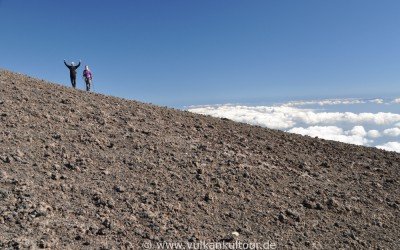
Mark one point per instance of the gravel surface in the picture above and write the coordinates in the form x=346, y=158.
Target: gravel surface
x=82, y=170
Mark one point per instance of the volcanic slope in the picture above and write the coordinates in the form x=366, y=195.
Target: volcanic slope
x=82, y=170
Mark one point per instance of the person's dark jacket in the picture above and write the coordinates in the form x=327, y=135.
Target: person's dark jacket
x=72, y=69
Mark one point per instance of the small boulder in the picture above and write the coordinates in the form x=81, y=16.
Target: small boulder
x=120, y=189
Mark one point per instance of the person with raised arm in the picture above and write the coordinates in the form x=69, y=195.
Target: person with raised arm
x=72, y=71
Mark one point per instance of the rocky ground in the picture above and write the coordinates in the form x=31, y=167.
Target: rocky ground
x=86, y=171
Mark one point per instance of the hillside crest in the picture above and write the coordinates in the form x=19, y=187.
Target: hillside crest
x=83, y=170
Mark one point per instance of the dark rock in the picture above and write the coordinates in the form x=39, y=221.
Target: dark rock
x=120, y=189
x=319, y=206
x=5, y=159
x=308, y=204
x=208, y=197
x=70, y=166
x=281, y=217
x=332, y=203
x=294, y=214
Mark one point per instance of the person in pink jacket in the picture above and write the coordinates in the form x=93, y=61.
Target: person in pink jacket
x=87, y=76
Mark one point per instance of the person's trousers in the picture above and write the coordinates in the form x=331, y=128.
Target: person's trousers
x=73, y=81
x=88, y=83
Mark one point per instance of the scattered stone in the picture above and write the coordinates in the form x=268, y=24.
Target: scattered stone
x=56, y=167
x=208, y=197
x=5, y=159
x=319, y=206
x=325, y=164
x=293, y=214
x=120, y=189
x=332, y=203
x=308, y=204
x=70, y=166
x=55, y=176
x=282, y=217
x=102, y=231
x=57, y=136
x=3, y=194
x=108, y=224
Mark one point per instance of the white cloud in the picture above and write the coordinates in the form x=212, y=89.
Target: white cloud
x=271, y=117
x=390, y=146
x=358, y=131
x=345, y=127
x=324, y=102
x=334, y=102
x=377, y=101
x=353, y=136
x=284, y=117
x=397, y=100
x=334, y=117
x=373, y=133
x=392, y=132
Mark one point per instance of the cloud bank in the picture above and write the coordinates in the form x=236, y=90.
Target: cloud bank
x=357, y=135
x=392, y=132
x=348, y=101
x=284, y=117
x=348, y=127
x=390, y=146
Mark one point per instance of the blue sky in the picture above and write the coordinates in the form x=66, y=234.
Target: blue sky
x=179, y=53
